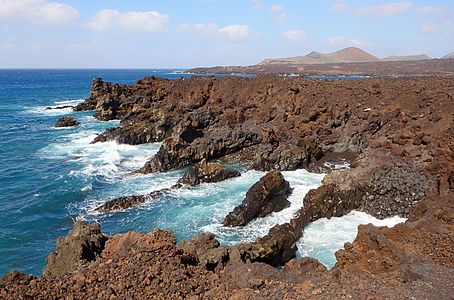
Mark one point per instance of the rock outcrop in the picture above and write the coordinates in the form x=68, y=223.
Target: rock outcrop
x=207, y=172
x=126, y=202
x=264, y=197
x=83, y=244
x=411, y=260
x=398, y=132
x=66, y=122
x=272, y=122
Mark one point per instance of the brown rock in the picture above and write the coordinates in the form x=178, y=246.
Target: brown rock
x=67, y=122
x=83, y=244
x=207, y=172
x=264, y=197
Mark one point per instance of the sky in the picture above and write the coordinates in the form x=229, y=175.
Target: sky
x=194, y=33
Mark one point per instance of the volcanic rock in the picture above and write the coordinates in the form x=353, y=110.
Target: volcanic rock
x=264, y=197
x=59, y=107
x=126, y=202
x=66, y=122
x=207, y=251
x=83, y=244
x=411, y=260
x=207, y=172
x=399, y=132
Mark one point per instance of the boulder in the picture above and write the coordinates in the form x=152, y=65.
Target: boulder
x=67, y=122
x=206, y=250
x=83, y=244
x=264, y=197
x=276, y=248
x=207, y=172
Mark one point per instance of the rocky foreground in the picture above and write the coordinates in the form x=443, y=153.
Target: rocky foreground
x=396, y=133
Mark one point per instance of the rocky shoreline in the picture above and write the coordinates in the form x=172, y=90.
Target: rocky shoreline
x=397, y=135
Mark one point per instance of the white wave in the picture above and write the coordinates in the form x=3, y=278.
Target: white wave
x=301, y=181
x=54, y=109
x=324, y=237
x=69, y=102
x=50, y=112
x=129, y=185
x=109, y=160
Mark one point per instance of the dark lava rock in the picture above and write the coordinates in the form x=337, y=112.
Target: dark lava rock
x=59, y=107
x=127, y=202
x=207, y=172
x=276, y=248
x=67, y=122
x=83, y=244
x=264, y=197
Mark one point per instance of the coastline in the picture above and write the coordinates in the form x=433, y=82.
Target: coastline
x=400, y=126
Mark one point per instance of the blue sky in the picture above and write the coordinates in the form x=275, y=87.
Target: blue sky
x=190, y=33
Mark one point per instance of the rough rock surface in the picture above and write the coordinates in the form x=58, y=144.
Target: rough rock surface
x=399, y=132
x=207, y=172
x=414, y=260
x=83, y=244
x=276, y=123
x=66, y=122
x=264, y=197
x=129, y=201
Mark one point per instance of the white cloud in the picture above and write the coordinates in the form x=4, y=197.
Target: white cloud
x=428, y=27
x=384, y=10
x=147, y=21
x=344, y=41
x=295, y=35
x=431, y=9
x=234, y=32
x=103, y=20
x=256, y=4
x=278, y=12
x=200, y=29
x=339, y=7
x=38, y=11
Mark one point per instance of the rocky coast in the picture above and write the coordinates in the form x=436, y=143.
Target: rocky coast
x=395, y=134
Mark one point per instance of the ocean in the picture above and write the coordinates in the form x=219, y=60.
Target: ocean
x=51, y=177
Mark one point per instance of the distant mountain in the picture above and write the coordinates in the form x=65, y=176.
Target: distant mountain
x=351, y=54
x=450, y=55
x=406, y=58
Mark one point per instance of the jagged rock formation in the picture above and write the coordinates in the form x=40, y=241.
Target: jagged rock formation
x=412, y=260
x=83, y=244
x=276, y=123
x=66, y=122
x=397, y=132
x=266, y=196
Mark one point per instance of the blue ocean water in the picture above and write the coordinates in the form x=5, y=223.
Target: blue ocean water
x=51, y=177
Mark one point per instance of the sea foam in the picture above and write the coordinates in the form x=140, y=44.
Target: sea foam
x=324, y=237
x=300, y=180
